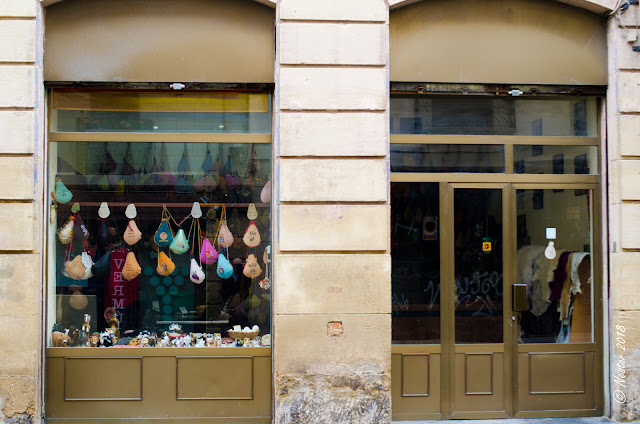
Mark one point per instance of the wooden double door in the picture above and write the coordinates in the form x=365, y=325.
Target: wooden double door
x=485, y=324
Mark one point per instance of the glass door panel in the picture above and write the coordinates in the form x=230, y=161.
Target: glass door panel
x=415, y=255
x=479, y=359
x=559, y=291
x=478, y=265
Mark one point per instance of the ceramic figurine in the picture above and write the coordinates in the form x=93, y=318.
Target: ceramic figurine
x=266, y=340
x=211, y=340
x=86, y=329
x=114, y=322
x=106, y=338
x=59, y=339
x=164, y=341
x=73, y=333
x=94, y=340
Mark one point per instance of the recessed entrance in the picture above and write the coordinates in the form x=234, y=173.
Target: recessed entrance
x=496, y=305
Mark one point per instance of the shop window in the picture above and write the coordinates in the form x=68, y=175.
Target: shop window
x=481, y=115
x=189, y=263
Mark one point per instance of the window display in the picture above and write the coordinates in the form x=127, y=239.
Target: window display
x=159, y=243
x=559, y=283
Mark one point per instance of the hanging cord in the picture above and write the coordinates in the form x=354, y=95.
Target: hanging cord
x=223, y=216
x=197, y=239
x=172, y=219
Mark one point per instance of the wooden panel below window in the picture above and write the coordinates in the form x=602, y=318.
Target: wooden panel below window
x=415, y=383
x=105, y=379
x=479, y=382
x=214, y=378
x=159, y=385
x=556, y=381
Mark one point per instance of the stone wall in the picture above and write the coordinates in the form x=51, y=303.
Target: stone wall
x=623, y=127
x=21, y=129
x=331, y=308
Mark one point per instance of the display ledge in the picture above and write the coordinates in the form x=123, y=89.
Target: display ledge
x=89, y=352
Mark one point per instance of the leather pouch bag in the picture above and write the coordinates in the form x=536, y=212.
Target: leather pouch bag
x=196, y=273
x=225, y=238
x=62, y=193
x=163, y=236
x=65, y=234
x=208, y=255
x=224, y=268
x=132, y=234
x=179, y=245
x=265, y=194
x=131, y=267
x=251, y=235
x=165, y=265
x=75, y=268
x=251, y=267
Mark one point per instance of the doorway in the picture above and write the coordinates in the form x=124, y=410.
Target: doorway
x=475, y=335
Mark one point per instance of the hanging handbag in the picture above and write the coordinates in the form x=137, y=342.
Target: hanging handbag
x=80, y=231
x=196, y=274
x=102, y=266
x=65, y=234
x=164, y=235
x=183, y=184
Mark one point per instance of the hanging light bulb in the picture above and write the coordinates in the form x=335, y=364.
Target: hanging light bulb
x=550, y=251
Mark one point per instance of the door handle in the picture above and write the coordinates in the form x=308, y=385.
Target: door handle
x=519, y=296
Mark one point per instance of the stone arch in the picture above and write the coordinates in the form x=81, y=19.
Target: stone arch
x=597, y=6
x=535, y=42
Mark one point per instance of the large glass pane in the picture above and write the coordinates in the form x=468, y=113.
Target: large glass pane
x=184, y=112
x=415, y=256
x=447, y=158
x=531, y=159
x=478, y=265
x=142, y=308
x=478, y=115
x=560, y=286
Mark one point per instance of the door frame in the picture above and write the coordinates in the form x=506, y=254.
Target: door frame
x=512, y=348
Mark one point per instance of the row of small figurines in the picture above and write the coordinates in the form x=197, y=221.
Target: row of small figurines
x=73, y=337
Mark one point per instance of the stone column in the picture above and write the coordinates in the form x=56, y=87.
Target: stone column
x=20, y=208
x=332, y=285
x=623, y=128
